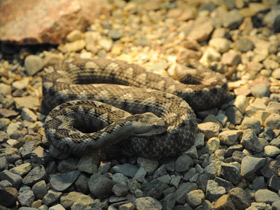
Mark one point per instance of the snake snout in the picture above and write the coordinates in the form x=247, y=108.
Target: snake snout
x=149, y=124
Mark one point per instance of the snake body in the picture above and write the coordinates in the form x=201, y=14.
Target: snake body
x=147, y=112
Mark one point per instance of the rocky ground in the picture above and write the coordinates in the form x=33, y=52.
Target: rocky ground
x=234, y=163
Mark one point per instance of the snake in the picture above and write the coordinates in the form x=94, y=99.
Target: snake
x=92, y=104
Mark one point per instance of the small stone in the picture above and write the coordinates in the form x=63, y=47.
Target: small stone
x=276, y=205
x=195, y=197
x=61, y=182
x=201, y=32
x=214, y=191
x=88, y=163
x=274, y=183
x=140, y=175
x=69, y=199
x=209, y=129
x=57, y=207
x=21, y=84
x=83, y=202
x=106, y=44
x=36, y=174
x=51, y=197
x=266, y=196
x=28, y=115
x=258, y=183
x=240, y=198
x=126, y=169
x=5, y=89
x=120, y=190
x=127, y=206
x=115, y=35
x=149, y=165
x=224, y=183
x=232, y=19
x=231, y=58
x=33, y=64
x=230, y=172
x=40, y=189
x=26, y=198
x=22, y=169
x=250, y=165
x=209, y=56
x=271, y=151
x=8, y=196
x=273, y=107
x=74, y=36
x=260, y=90
x=75, y=46
x=14, y=179
x=273, y=121
x=100, y=186
x=230, y=137
x=29, y=102
x=244, y=45
x=145, y=203
x=251, y=141
x=251, y=123
x=220, y=44
x=275, y=74
x=241, y=102
x=213, y=144
x=224, y=202
x=183, y=163
x=3, y=163
x=271, y=19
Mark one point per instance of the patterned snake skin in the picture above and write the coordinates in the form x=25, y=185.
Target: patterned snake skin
x=85, y=117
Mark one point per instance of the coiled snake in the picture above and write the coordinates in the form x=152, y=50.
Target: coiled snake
x=88, y=114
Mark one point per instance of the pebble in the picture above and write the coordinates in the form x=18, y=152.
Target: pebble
x=148, y=165
x=74, y=36
x=201, y=32
x=29, y=102
x=251, y=141
x=230, y=137
x=33, y=64
x=26, y=197
x=266, y=196
x=271, y=151
x=221, y=44
x=260, y=90
x=240, y=198
x=40, y=189
x=8, y=196
x=60, y=182
x=232, y=19
x=147, y=203
x=224, y=202
x=231, y=58
x=68, y=199
x=83, y=202
x=88, y=163
x=213, y=144
x=209, y=129
x=250, y=165
x=183, y=163
x=214, y=191
x=230, y=172
x=21, y=84
x=100, y=186
x=74, y=46
x=195, y=197
x=251, y=123
x=244, y=45
x=14, y=179
x=51, y=197
x=126, y=169
x=274, y=183
x=5, y=89
x=36, y=174
x=22, y=169
x=57, y=207
x=273, y=121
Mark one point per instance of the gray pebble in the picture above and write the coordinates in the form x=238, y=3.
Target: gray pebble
x=57, y=207
x=250, y=165
x=230, y=172
x=250, y=141
x=258, y=183
x=115, y=35
x=40, y=189
x=240, y=198
x=168, y=202
x=148, y=164
x=154, y=188
x=224, y=183
x=145, y=203
x=36, y=174
x=28, y=115
x=214, y=191
x=251, y=123
x=183, y=163
x=274, y=183
x=273, y=107
x=244, y=45
x=229, y=137
x=84, y=202
x=14, y=179
x=273, y=121
x=260, y=90
x=88, y=163
x=4, y=122
x=27, y=149
x=120, y=190
x=266, y=196
x=68, y=199
x=271, y=151
x=66, y=165
x=234, y=115
x=33, y=64
x=3, y=163
x=182, y=190
x=26, y=198
x=126, y=169
x=61, y=182
x=51, y=197
x=232, y=19
x=4, y=184
x=271, y=19
x=81, y=184
x=100, y=186
x=209, y=129
x=275, y=142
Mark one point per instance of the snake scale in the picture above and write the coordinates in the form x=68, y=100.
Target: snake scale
x=95, y=103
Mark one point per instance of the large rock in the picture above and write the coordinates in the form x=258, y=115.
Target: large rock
x=46, y=21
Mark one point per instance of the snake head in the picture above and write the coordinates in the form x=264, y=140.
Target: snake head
x=148, y=124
